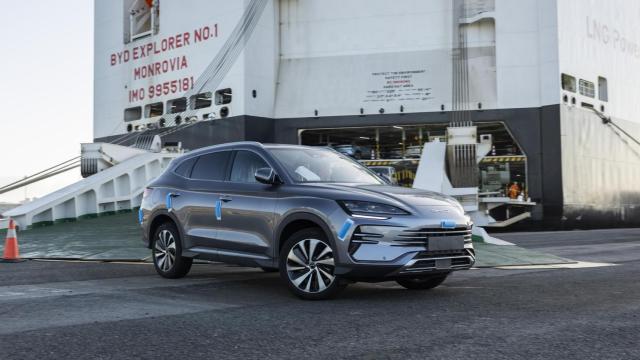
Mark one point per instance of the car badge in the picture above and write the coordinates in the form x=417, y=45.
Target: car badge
x=448, y=224
x=439, y=210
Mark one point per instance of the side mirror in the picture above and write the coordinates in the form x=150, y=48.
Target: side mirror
x=267, y=176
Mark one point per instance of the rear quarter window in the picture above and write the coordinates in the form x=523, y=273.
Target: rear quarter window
x=184, y=169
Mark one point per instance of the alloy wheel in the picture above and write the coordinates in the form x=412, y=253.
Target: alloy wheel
x=165, y=250
x=310, y=265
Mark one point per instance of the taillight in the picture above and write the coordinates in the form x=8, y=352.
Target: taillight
x=147, y=192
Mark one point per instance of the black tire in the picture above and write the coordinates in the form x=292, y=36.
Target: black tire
x=180, y=265
x=422, y=283
x=315, y=270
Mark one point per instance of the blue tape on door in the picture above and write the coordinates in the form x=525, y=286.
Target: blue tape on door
x=169, y=201
x=218, y=210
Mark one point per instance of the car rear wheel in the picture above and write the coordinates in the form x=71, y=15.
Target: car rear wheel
x=167, y=253
x=307, y=265
x=422, y=283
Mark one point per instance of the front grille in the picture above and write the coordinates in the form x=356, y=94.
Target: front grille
x=429, y=261
x=421, y=237
x=439, y=254
x=431, y=265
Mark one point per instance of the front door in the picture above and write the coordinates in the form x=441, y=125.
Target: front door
x=247, y=214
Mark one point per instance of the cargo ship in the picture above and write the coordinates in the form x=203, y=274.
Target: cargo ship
x=550, y=83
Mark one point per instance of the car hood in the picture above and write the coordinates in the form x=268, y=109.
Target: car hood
x=406, y=196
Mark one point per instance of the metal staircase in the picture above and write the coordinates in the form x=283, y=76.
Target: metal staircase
x=117, y=180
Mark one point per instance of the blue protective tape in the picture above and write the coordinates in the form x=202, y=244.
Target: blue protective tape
x=448, y=224
x=169, y=202
x=140, y=216
x=218, y=210
x=344, y=231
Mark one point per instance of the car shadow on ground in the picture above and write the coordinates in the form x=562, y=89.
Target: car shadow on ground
x=249, y=285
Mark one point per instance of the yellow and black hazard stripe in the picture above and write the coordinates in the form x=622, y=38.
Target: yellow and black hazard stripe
x=378, y=162
x=405, y=175
x=387, y=162
x=504, y=159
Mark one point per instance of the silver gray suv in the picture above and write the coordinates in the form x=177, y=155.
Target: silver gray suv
x=318, y=217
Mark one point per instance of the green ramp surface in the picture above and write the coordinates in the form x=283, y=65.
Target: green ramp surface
x=108, y=238
x=488, y=255
x=118, y=238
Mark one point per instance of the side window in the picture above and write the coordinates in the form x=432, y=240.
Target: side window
x=184, y=169
x=568, y=83
x=153, y=110
x=133, y=114
x=603, y=89
x=201, y=101
x=176, y=106
x=587, y=88
x=211, y=166
x=245, y=166
x=223, y=96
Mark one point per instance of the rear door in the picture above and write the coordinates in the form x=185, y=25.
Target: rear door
x=202, y=198
x=178, y=200
x=246, y=227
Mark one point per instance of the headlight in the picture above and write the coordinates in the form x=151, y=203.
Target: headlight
x=370, y=208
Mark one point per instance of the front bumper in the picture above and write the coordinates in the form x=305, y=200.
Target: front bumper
x=438, y=262
x=384, y=252
x=410, y=265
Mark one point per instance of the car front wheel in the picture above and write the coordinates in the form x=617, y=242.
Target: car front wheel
x=422, y=283
x=307, y=265
x=167, y=253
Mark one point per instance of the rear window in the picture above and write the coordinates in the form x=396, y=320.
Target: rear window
x=211, y=166
x=184, y=169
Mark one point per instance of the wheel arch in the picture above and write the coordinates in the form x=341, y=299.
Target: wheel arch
x=158, y=219
x=296, y=222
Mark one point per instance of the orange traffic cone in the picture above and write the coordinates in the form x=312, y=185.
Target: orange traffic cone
x=11, y=252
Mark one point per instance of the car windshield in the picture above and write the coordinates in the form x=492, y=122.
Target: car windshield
x=308, y=165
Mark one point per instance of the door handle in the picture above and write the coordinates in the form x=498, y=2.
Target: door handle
x=225, y=198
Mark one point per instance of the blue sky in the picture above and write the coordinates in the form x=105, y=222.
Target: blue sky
x=46, y=88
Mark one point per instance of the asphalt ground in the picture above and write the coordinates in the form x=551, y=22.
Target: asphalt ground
x=111, y=310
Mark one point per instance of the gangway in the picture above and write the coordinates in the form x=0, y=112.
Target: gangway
x=119, y=177
x=42, y=175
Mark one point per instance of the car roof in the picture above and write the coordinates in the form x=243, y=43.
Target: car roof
x=290, y=146
x=247, y=144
